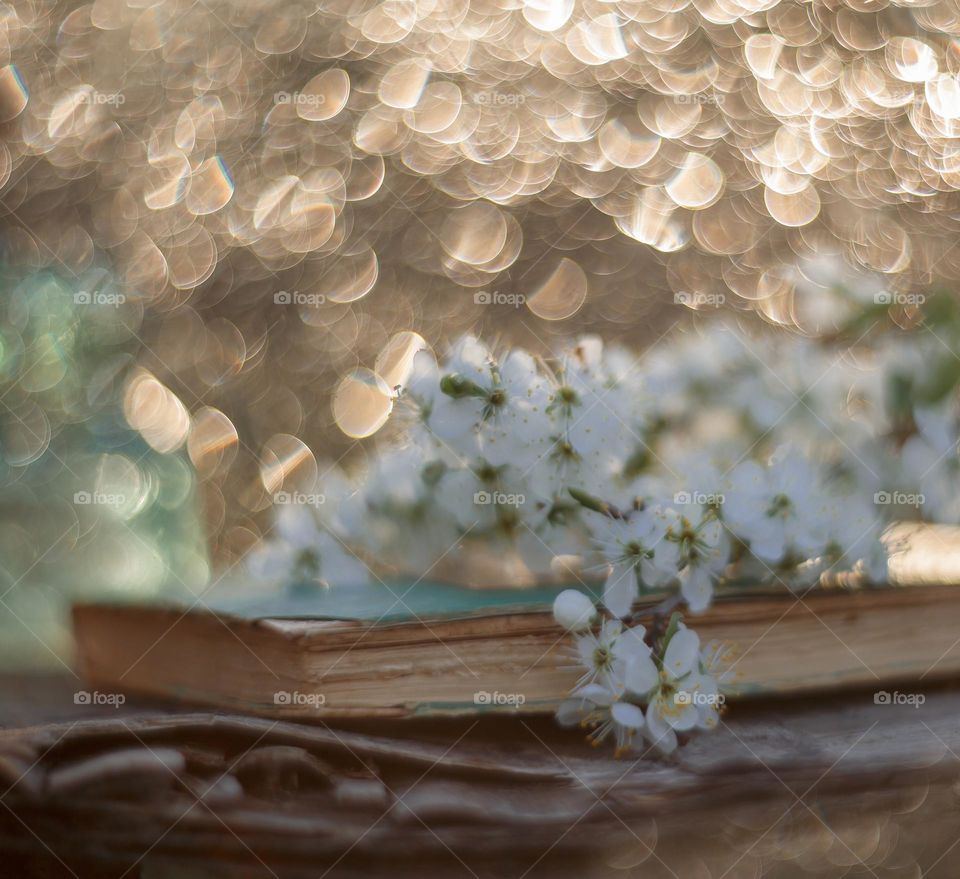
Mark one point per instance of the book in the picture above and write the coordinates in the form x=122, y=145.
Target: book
x=499, y=655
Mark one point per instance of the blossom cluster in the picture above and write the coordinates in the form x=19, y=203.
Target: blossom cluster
x=717, y=457
x=636, y=686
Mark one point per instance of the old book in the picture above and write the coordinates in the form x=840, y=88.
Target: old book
x=509, y=658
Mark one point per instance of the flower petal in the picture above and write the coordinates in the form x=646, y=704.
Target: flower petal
x=682, y=654
x=659, y=731
x=571, y=711
x=641, y=675
x=586, y=647
x=626, y=714
x=620, y=590
x=630, y=644
x=767, y=540
x=597, y=694
x=696, y=586
x=271, y=561
x=297, y=525
x=685, y=717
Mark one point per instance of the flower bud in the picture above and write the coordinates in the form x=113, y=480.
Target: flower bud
x=573, y=610
x=458, y=387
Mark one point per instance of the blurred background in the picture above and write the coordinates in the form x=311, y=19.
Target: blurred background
x=227, y=227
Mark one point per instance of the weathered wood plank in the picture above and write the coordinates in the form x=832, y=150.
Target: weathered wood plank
x=825, y=779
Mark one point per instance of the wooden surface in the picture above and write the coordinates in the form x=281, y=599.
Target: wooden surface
x=841, y=787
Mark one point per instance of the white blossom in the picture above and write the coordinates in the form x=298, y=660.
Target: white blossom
x=930, y=465
x=712, y=457
x=682, y=691
x=302, y=552
x=678, y=688
x=606, y=655
x=777, y=508
x=703, y=550
x=601, y=709
x=639, y=555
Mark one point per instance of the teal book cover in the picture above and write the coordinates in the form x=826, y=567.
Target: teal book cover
x=379, y=602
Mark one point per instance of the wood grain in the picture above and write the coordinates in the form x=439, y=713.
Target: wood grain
x=839, y=780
